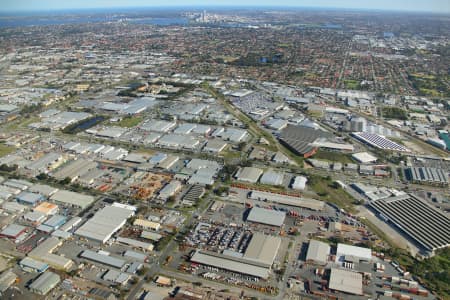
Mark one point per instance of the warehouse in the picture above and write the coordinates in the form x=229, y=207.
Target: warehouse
x=379, y=141
x=272, y=178
x=169, y=190
x=355, y=254
x=136, y=256
x=249, y=174
x=184, y=129
x=299, y=183
x=45, y=163
x=13, y=231
x=364, y=157
x=426, y=225
x=73, y=199
x=105, y=223
x=43, y=252
x=116, y=277
x=346, y=281
x=28, y=198
x=29, y=264
x=432, y=176
x=215, y=146
x=147, y=224
x=45, y=283
x=71, y=224
x=299, y=139
x=318, y=252
x=52, y=223
x=178, y=141
x=230, y=263
x=7, y=279
x=262, y=249
x=266, y=216
x=153, y=236
x=287, y=200
x=158, y=125
x=111, y=132
x=135, y=243
x=103, y=259
x=47, y=208
x=75, y=169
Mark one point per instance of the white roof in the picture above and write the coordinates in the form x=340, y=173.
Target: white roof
x=105, y=223
x=266, y=216
x=346, y=281
x=318, y=251
x=349, y=250
x=364, y=157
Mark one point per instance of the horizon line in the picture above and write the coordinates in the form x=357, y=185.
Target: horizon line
x=222, y=6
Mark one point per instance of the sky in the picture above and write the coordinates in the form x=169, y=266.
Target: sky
x=441, y=6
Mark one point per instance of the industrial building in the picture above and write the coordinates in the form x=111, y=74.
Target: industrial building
x=431, y=176
x=272, y=178
x=103, y=258
x=135, y=243
x=287, y=200
x=351, y=253
x=379, y=141
x=7, y=279
x=45, y=283
x=426, y=225
x=364, y=157
x=105, y=223
x=47, y=208
x=262, y=249
x=249, y=174
x=215, y=146
x=29, y=264
x=299, y=183
x=346, y=281
x=266, y=216
x=318, y=252
x=170, y=190
x=300, y=138
x=71, y=198
x=13, y=231
x=256, y=261
x=28, y=198
x=43, y=253
x=75, y=169
x=147, y=224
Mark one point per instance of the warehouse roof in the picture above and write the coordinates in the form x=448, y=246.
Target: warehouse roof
x=288, y=200
x=72, y=198
x=346, y=281
x=43, y=252
x=428, y=226
x=299, y=138
x=103, y=259
x=266, y=216
x=318, y=252
x=28, y=262
x=249, y=174
x=272, y=177
x=230, y=263
x=45, y=282
x=364, y=157
x=105, y=223
x=263, y=248
x=7, y=279
x=135, y=243
x=13, y=230
x=349, y=250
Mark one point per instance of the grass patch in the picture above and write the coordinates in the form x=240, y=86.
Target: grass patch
x=5, y=150
x=129, y=121
x=333, y=156
x=330, y=192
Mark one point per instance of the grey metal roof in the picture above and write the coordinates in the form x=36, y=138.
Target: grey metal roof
x=103, y=259
x=346, y=281
x=318, y=251
x=266, y=216
x=425, y=224
x=230, y=263
x=44, y=283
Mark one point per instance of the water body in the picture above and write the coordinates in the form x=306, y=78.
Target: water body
x=24, y=21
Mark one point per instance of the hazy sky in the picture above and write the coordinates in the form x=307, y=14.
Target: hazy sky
x=410, y=5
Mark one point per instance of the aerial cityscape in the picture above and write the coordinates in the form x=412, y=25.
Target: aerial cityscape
x=249, y=150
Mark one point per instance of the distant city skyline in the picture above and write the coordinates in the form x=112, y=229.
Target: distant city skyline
x=437, y=6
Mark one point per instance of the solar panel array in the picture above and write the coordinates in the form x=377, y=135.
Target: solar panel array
x=425, y=224
x=379, y=141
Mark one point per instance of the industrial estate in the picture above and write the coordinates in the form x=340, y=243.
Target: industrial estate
x=228, y=154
